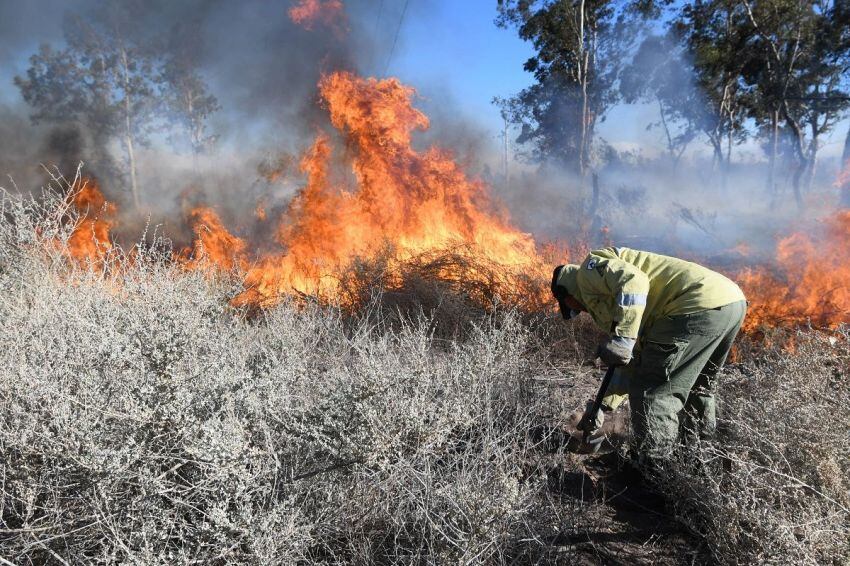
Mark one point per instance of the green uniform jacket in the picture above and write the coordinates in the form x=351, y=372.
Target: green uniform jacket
x=626, y=290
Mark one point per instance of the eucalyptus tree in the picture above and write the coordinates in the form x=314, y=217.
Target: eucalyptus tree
x=118, y=80
x=580, y=46
x=800, y=77
x=716, y=36
x=660, y=73
x=188, y=102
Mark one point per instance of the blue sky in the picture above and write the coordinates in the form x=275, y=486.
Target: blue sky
x=456, y=44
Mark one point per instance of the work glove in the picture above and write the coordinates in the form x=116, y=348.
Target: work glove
x=616, y=351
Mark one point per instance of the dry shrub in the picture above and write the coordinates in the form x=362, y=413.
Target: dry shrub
x=143, y=421
x=774, y=486
x=453, y=287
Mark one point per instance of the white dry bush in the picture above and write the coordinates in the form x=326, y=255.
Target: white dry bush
x=143, y=421
x=774, y=486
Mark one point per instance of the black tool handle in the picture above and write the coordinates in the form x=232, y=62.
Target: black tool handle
x=590, y=416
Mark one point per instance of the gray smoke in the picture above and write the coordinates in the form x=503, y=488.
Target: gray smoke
x=262, y=68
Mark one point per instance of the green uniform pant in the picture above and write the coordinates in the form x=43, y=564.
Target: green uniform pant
x=671, y=381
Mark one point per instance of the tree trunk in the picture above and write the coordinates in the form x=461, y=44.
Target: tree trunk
x=774, y=149
x=813, y=153
x=844, y=179
x=593, y=211
x=728, y=165
x=131, y=161
x=802, y=161
x=812, y=165
x=717, y=156
x=583, y=80
x=128, y=130
x=670, y=148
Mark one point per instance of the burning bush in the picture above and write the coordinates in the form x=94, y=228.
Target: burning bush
x=89, y=242
x=802, y=287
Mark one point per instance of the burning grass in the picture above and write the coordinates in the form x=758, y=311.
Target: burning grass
x=807, y=284
x=158, y=424
x=375, y=206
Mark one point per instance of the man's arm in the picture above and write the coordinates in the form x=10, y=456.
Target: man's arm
x=622, y=289
x=626, y=288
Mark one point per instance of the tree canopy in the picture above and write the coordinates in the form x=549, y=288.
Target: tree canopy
x=119, y=85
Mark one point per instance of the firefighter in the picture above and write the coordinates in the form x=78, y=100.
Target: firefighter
x=670, y=326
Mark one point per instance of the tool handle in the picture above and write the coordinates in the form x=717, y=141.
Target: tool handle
x=590, y=415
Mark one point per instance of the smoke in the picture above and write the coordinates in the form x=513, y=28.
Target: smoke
x=262, y=68
x=649, y=195
x=25, y=24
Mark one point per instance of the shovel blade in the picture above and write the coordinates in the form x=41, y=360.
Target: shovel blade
x=578, y=444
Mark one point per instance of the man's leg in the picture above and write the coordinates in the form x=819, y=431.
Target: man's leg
x=674, y=352
x=699, y=417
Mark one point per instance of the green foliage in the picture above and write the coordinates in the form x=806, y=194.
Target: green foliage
x=102, y=79
x=579, y=50
x=798, y=69
x=119, y=84
x=717, y=36
x=723, y=69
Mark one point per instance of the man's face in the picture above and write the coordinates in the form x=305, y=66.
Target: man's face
x=569, y=307
x=574, y=304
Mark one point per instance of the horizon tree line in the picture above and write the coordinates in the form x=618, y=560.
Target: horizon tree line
x=724, y=71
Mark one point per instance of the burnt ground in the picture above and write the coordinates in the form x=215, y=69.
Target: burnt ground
x=602, y=512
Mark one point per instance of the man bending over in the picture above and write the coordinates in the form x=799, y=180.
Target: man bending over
x=670, y=326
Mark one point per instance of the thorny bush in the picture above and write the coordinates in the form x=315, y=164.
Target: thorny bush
x=144, y=421
x=774, y=486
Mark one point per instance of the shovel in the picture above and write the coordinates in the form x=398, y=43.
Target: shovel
x=591, y=444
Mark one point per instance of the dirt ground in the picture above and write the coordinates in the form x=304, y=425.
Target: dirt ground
x=603, y=513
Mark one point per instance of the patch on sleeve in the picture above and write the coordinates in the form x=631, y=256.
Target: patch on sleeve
x=591, y=264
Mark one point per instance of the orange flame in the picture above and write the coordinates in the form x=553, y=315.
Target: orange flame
x=214, y=246
x=379, y=198
x=309, y=13
x=810, y=283
x=413, y=201
x=90, y=242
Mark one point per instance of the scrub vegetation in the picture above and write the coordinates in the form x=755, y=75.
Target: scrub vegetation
x=144, y=421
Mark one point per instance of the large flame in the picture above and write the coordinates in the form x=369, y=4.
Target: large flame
x=808, y=284
x=414, y=202
x=215, y=246
x=370, y=196
x=90, y=241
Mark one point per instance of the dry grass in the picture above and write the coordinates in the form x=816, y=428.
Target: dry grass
x=143, y=421
x=774, y=487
